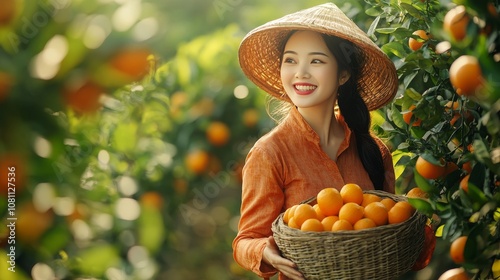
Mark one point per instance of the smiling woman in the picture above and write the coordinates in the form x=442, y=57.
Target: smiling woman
x=315, y=61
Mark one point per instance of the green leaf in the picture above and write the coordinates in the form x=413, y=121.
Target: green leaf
x=408, y=78
x=477, y=197
x=414, y=12
x=375, y=11
x=422, y=206
x=397, y=155
x=450, y=228
x=96, y=259
x=151, y=228
x=431, y=159
x=439, y=231
x=386, y=30
x=371, y=30
x=125, y=137
x=399, y=170
x=395, y=48
x=403, y=146
x=402, y=34
x=477, y=176
x=377, y=118
x=417, y=132
x=397, y=117
x=423, y=183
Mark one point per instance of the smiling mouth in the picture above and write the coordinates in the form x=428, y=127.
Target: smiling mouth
x=305, y=88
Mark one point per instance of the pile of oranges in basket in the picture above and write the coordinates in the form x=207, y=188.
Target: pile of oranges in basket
x=347, y=209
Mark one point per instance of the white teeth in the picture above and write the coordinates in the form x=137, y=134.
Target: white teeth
x=305, y=88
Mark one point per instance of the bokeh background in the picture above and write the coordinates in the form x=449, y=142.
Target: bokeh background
x=127, y=123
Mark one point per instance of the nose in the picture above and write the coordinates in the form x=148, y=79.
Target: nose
x=302, y=72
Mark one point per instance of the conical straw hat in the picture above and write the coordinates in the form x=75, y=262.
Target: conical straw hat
x=259, y=53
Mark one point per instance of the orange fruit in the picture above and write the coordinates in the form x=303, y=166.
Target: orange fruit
x=466, y=75
x=400, y=212
x=153, y=199
x=7, y=12
x=450, y=167
x=443, y=47
x=451, y=105
x=413, y=43
x=376, y=212
x=304, y=212
x=352, y=193
x=364, y=223
x=311, y=225
x=457, y=249
x=292, y=223
x=286, y=215
x=218, y=133
x=13, y=169
x=342, y=225
x=329, y=201
x=369, y=198
x=455, y=22
x=83, y=98
x=417, y=192
x=464, y=183
x=351, y=212
x=429, y=170
x=132, y=62
x=79, y=213
x=388, y=203
x=292, y=211
x=470, y=147
x=328, y=222
x=407, y=117
x=467, y=166
x=31, y=223
x=197, y=161
x=250, y=117
x=454, y=119
x=320, y=216
x=454, y=274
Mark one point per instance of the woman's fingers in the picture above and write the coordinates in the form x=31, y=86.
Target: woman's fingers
x=285, y=266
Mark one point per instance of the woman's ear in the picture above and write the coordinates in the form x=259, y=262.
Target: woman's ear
x=344, y=77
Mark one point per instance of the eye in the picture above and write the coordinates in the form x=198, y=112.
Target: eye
x=316, y=61
x=288, y=60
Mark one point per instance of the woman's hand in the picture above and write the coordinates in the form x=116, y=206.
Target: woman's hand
x=271, y=256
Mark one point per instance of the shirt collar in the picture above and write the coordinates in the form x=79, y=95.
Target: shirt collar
x=297, y=124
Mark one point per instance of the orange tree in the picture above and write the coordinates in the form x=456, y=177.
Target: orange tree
x=444, y=123
x=122, y=160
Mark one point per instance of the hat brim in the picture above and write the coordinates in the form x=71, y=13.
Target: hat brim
x=260, y=54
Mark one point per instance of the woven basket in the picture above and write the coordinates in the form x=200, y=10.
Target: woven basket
x=384, y=252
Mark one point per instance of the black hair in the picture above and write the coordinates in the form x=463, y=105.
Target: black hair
x=352, y=107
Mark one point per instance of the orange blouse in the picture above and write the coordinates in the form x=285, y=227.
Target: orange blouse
x=285, y=167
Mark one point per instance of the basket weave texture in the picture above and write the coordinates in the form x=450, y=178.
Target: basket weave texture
x=384, y=252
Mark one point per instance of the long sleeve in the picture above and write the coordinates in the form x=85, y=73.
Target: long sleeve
x=262, y=201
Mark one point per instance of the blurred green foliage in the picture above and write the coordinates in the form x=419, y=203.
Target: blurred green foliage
x=136, y=188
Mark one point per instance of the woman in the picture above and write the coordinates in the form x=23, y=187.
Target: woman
x=312, y=60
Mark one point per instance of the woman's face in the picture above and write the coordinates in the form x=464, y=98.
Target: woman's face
x=309, y=71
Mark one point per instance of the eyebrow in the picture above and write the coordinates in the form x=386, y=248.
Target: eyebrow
x=311, y=53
